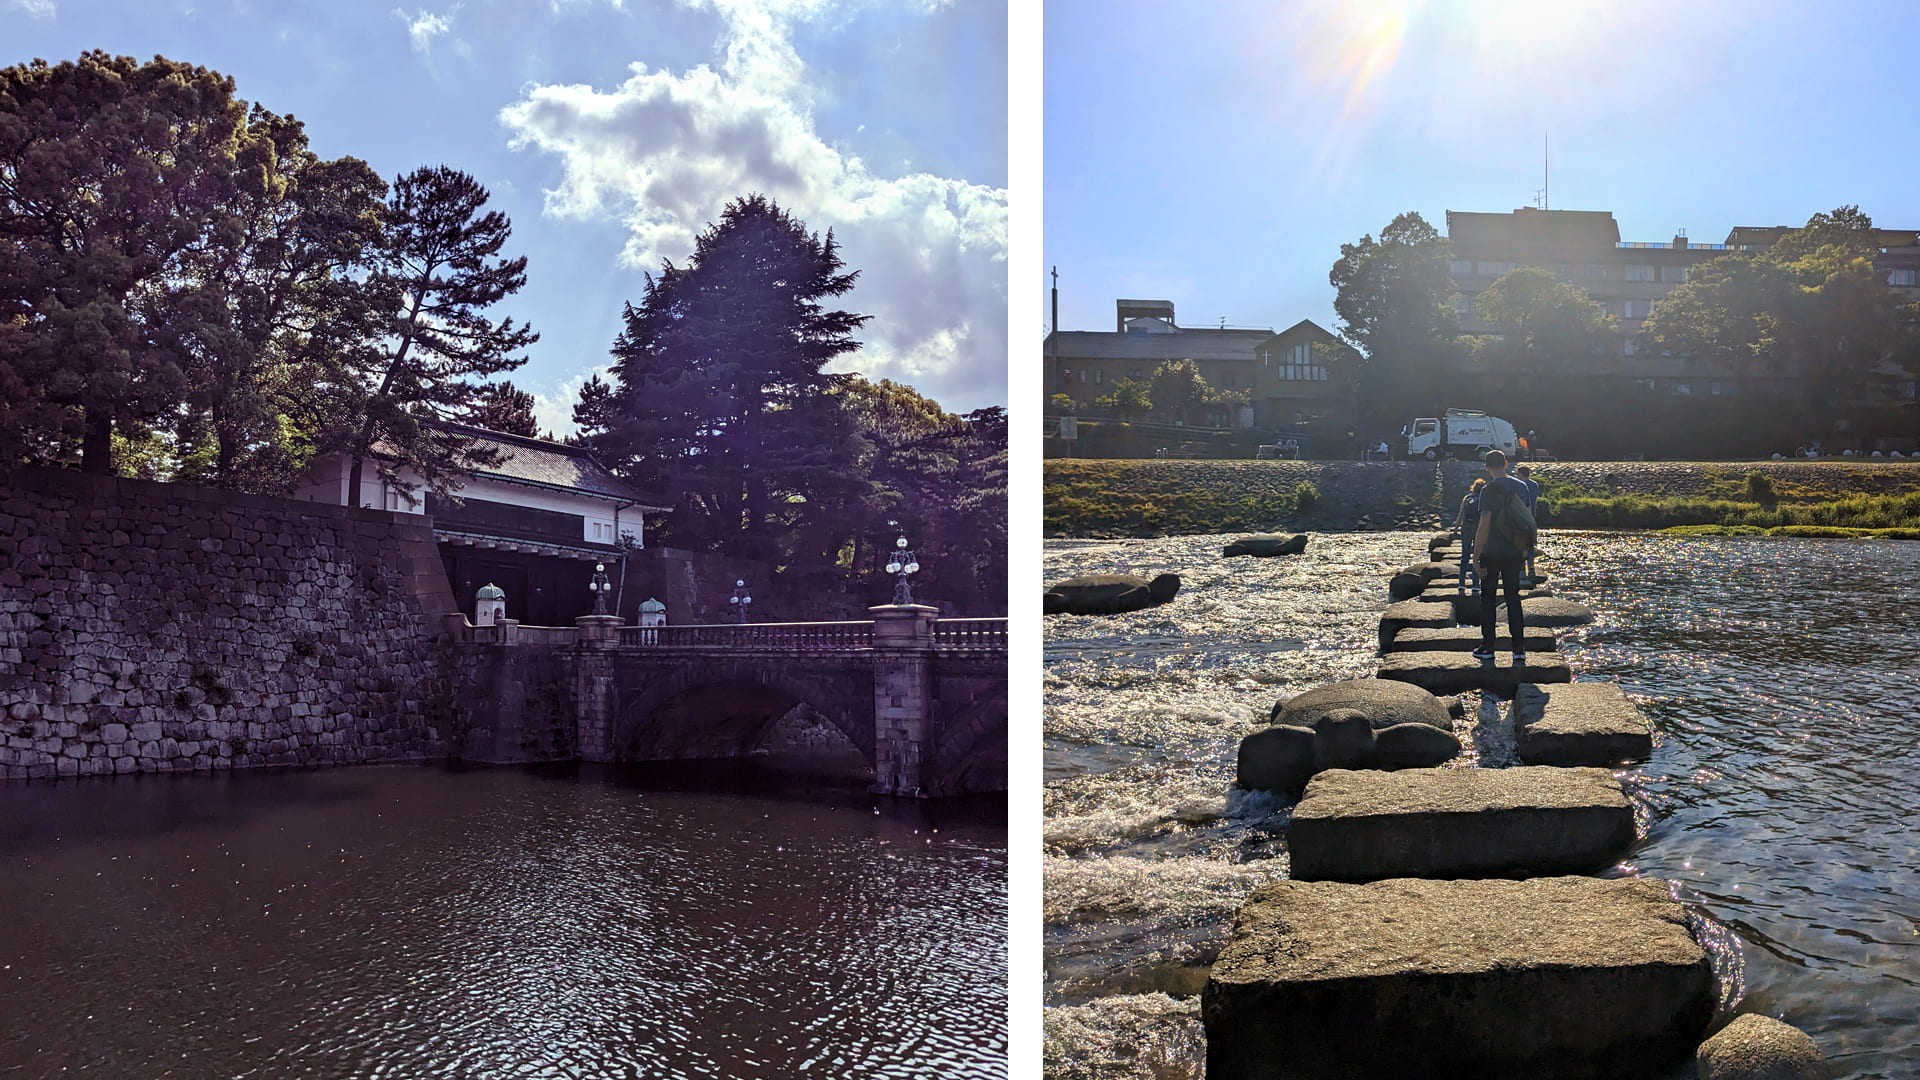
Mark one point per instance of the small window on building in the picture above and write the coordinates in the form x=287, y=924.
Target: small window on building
x=1636, y=309
x=1495, y=269
x=1639, y=271
x=1673, y=273
x=1597, y=272
x=1083, y=375
x=1099, y=376
x=1901, y=277
x=1460, y=266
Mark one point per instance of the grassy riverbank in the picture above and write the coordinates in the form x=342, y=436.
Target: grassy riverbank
x=1788, y=498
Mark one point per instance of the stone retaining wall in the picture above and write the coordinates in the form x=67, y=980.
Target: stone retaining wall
x=150, y=627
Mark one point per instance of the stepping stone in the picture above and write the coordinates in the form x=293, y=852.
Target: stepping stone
x=1551, y=978
x=1467, y=639
x=1756, y=1047
x=1453, y=823
x=1355, y=724
x=1453, y=673
x=1408, y=614
x=1588, y=723
x=1431, y=570
x=1543, y=610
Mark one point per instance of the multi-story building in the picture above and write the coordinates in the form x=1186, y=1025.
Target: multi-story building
x=1286, y=381
x=1583, y=248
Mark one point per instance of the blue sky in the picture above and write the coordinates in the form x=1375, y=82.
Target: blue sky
x=610, y=131
x=1220, y=158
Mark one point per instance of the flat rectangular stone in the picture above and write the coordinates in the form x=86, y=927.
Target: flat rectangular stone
x=1454, y=673
x=1354, y=825
x=1586, y=723
x=1552, y=978
x=1426, y=614
x=1541, y=609
x=1466, y=639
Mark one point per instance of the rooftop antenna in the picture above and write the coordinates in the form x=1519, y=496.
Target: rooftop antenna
x=1540, y=197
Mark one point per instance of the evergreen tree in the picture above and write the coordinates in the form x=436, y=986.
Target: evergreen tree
x=112, y=174
x=503, y=406
x=1395, y=302
x=437, y=269
x=719, y=381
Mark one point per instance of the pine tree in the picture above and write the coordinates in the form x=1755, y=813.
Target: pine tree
x=437, y=270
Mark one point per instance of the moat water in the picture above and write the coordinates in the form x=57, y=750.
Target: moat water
x=726, y=920
x=1782, y=676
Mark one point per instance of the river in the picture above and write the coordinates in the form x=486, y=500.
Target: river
x=717, y=920
x=1780, y=676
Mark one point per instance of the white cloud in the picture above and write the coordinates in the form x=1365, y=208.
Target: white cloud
x=39, y=9
x=424, y=27
x=665, y=151
x=553, y=411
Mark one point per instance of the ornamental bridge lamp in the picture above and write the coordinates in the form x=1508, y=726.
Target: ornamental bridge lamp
x=903, y=564
x=739, y=601
x=600, y=586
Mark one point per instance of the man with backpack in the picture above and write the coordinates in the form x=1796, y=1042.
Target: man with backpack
x=1505, y=535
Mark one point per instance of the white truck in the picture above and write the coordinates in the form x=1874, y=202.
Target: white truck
x=1462, y=433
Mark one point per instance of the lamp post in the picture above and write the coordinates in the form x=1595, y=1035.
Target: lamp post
x=739, y=600
x=904, y=565
x=600, y=586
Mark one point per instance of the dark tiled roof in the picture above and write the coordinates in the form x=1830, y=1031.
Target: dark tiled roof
x=1180, y=345
x=552, y=464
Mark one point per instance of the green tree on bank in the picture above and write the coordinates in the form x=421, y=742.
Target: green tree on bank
x=1394, y=298
x=183, y=283
x=1538, y=324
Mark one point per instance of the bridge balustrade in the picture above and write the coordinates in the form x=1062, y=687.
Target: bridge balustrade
x=970, y=634
x=779, y=637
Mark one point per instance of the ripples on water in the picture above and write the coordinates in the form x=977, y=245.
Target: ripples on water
x=417, y=922
x=1782, y=677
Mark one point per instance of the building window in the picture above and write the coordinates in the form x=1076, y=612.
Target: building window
x=1639, y=271
x=1495, y=269
x=1682, y=388
x=1083, y=375
x=393, y=499
x=1458, y=267
x=1099, y=376
x=1632, y=348
x=1597, y=272
x=1673, y=273
x=1636, y=309
x=1901, y=277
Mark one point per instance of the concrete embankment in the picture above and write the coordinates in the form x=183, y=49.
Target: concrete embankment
x=1153, y=497
x=157, y=628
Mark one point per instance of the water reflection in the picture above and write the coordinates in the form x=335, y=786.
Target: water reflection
x=580, y=922
x=1779, y=674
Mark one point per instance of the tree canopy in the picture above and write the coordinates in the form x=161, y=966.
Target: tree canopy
x=1539, y=323
x=1394, y=299
x=184, y=283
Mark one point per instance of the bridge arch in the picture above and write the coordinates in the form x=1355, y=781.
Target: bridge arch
x=970, y=751
x=723, y=708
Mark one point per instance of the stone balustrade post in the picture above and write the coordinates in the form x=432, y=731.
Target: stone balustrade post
x=599, y=631
x=902, y=696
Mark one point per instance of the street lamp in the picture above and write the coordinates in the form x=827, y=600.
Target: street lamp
x=903, y=564
x=600, y=585
x=739, y=600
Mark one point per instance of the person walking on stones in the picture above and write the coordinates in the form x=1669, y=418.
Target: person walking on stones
x=1466, y=523
x=1524, y=473
x=1504, y=536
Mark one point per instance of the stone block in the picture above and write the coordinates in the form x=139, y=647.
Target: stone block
x=1450, y=823
x=1542, y=610
x=1582, y=723
x=1561, y=978
x=1756, y=1047
x=1466, y=639
x=1360, y=723
x=146, y=732
x=1415, y=614
x=1454, y=673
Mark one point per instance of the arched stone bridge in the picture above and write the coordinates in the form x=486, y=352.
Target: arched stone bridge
x=924, y=698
